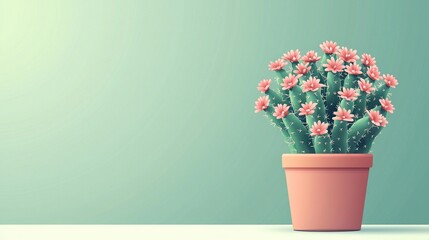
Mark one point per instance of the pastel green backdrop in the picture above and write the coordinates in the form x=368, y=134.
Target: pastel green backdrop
x=142, y=111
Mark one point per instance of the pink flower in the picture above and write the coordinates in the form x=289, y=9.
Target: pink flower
x=292, y=56
x=311, y=56
x=319, y=128
x=264, y=85
x=387, y=105
x=312, y=84
x=353, y=69
x=367, y=60
x=390, y=80
x=261, y=103
x=334, y=65
x=373, y=73
x=290, y=81
x=281, y=111
x=375, y=117
x=329, y=47
x=302, y=68
x=383, y=121
x=276, y=65
x=349, y=94
x=307, y=108
x=347, y=55
x=343, y=115
x=365, y=86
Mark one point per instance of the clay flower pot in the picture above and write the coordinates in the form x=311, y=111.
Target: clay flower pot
x=327, y=191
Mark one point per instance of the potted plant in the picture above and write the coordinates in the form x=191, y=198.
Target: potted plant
x=329, y=114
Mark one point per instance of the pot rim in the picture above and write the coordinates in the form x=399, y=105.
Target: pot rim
x=334, y=160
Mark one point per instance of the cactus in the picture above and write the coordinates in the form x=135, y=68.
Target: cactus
x=353, y=71
x=334, y=68
x=364, y=127
x=383, y=89
x=297, y=131
x=365, y=88
x=340, y=130
x=339, y=136
x=278, y=123
x=373, y=77
x=365, y=144
x=290, y=85
x=293, y=57
x=329, y=48
x=312, y=89
x=263, y=104
x=321, y=141
x=311, y=118
x=304, y=70
x=367, y=62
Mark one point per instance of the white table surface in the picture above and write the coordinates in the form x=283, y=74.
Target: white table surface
x=203, y=232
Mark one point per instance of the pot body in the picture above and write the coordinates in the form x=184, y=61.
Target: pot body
x=327, y=191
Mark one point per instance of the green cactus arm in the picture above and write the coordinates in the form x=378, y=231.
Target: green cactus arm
x=280, y=96
x=280, y=75
x=381, y=92
x=292, y=67
x=339, y=131
x=319, y=112
x=322, y=143
x=349, y=105
x=350, y=81
x=360, y=105
x=297, y=97
x=332, y=98
x=304, y=77
x=364, y=71
x=324, y=60
x=339, y=137
x=365, y=144
x=313, y=70
x=277, y=98
x=357, y=131
x=280, y=125
x=298, y=133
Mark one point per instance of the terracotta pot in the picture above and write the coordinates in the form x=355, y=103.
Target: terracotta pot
x=327, y=191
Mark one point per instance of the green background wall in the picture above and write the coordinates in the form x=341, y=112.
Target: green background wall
x=142, y=112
